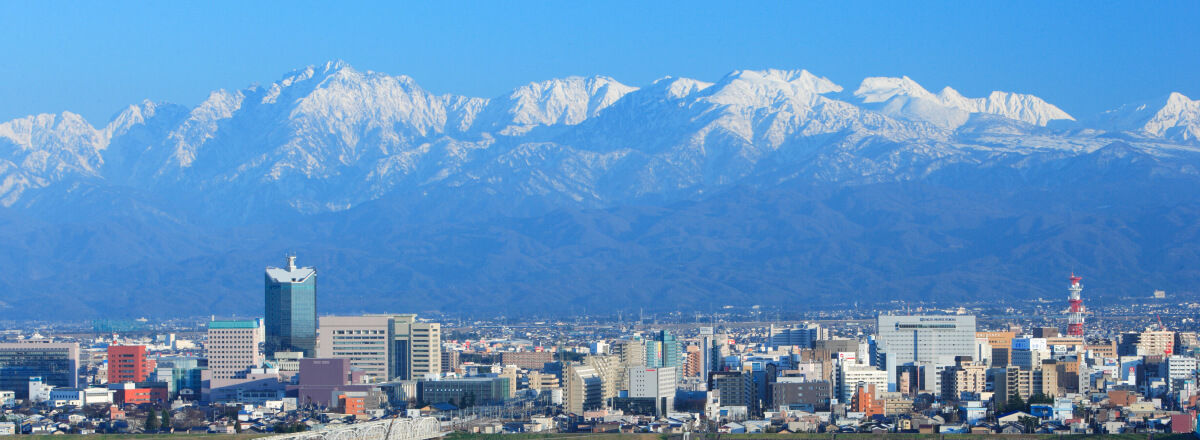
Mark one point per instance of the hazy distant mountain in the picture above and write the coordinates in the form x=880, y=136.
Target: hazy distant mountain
x=768, y=186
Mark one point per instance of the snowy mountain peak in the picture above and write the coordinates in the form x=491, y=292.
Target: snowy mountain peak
x=772, y=89
x=566, y=101
x=129, y=117
x=1175, y=117
x=880, y=89
x=679, y=87
x=797, y=79
x=905, y=99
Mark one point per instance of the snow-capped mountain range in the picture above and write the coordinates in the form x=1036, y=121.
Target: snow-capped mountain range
x=327, y=138
x=767, y=187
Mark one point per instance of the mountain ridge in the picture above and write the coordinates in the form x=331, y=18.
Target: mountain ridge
x=761, y=184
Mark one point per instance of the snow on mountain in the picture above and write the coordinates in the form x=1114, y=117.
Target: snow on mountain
x=36, y=151
x=1174, y=117
x=565, y=101
x=328, y=137
x=904, y=98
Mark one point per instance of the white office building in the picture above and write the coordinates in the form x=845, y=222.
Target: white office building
x=849, y=375
x=930, y=342
x=657, y=383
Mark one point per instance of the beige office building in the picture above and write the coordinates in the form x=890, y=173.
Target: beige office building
x=388, y=347
x=232, y=348
x=362, y=339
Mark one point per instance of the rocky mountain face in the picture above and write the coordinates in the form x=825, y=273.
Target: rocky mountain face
x=771, y=186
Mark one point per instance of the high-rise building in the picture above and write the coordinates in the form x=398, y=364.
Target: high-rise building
x=663, y=351
x=416, y=348
x=450, y=361
x=128, y=363
x=364, y=340
x=629, y=353
x=929, y=342
x=966, y=377
x=583, y=388
x=803, y=335
x=733, y=388
x=232, y=348
x=291, y=309
x=632, y=352
x=654, y=383
x=56, y=364
x=933, y=339
x=387, y=347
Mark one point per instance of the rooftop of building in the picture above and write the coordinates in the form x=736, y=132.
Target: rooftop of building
x=227, y=325
x=290, y=273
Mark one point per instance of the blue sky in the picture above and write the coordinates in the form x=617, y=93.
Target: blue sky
x=94, y=58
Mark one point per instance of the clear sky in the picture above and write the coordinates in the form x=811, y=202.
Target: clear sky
x=94, y=58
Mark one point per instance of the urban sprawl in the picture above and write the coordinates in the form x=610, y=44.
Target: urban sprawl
x=1047, y=367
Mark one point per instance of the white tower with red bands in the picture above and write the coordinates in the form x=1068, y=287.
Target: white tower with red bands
x=1075, y=312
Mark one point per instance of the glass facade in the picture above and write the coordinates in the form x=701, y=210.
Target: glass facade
x=401, y=360
x=56, y=364
x=291, y=315
x=663, y=351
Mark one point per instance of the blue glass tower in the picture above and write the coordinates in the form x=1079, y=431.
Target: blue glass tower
x=291, y=309
x=663, y=351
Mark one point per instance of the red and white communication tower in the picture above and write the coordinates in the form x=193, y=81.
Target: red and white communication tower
x=1075, y=312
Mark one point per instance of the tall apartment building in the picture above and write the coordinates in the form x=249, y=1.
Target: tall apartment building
x=611, y=372
x=734, y=388
x=1011, y=380
x=630, y=353
x=802, y=335
x=583, y=388
x=965, y=377
x=232, y=348
x=128, y=363
x=693, y=365
x=291, y=309
x=56, y=363
x=450, y=360
x=654, y=383
x=387, y=347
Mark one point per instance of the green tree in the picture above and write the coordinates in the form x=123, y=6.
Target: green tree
x=152, y=420
x=1015, y=403
x=237, y=426
x=1040, y=398
x=1030, y=423
x=166, y=419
